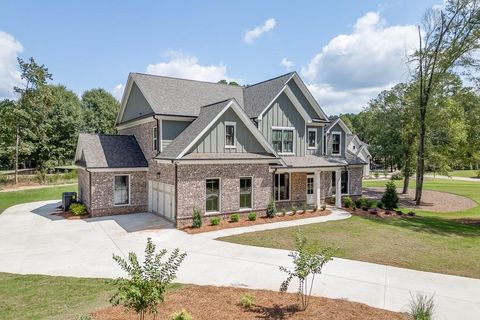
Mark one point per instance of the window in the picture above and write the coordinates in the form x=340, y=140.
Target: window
x=344, y=182
x=282, y=140
x=155, y=138
x=336, y=142
x=122, y=190
x=312, y=138
x=230, y=135
x=212, y=195
x=324, y=143
x=282, y=186
x=245, y=193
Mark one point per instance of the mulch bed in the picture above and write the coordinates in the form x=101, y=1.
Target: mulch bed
x=225, y=223
x=382, y=213
x=209, y=302
x=68, y=215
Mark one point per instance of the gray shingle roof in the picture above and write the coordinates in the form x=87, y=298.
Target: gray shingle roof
x=110, y=151
x=229, y=156
x=311, y=161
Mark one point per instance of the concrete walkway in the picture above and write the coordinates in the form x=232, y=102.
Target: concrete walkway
x=454, y=178
x=33, y=241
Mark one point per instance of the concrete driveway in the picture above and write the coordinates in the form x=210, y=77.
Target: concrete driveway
x=33, y=241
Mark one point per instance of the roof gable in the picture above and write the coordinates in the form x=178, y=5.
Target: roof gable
x=136, y=105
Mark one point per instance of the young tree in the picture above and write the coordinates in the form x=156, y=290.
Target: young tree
x=390, y=197
x=448, y=39
x=99, y=110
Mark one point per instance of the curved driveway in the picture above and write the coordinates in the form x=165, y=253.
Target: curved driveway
x=34, y=241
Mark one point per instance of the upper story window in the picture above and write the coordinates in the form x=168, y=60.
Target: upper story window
x=155, y=138
x=282, y=140
x=121, y=190
x=230, y=135
x=336, y=142
x=312, y=138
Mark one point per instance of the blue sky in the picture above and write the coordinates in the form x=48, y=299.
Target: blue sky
x=346, y=51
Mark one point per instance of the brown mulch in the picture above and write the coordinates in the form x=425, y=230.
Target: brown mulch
x=67, y=214
x=377, y=212
x=225, y=222
x=209, y=302
x=431, y=200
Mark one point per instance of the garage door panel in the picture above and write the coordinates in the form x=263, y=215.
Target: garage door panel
x=162, y=197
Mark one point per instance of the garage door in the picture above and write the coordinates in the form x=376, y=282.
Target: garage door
x=161, y=199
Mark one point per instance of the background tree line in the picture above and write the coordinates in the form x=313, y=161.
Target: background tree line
x=40, y=128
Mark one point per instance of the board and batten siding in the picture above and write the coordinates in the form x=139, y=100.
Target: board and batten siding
x=282, y=113
x=336, y=128
x=136, y=106
x=170, y=130
x=214, y=140
x=318, y=150
x=302, y=99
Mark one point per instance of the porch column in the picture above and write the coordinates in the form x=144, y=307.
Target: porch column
x=317, y=188
x=338, y=188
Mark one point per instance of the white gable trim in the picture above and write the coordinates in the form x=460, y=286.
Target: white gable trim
x=341, y=124
x=297, y=104
x=309, y=96
x=125, y=96
x=259, y=118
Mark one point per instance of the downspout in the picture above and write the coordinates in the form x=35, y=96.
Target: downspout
x=158, y=134
x=89, y=188
x=176, y=194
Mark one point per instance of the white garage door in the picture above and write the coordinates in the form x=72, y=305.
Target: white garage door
x=161, y=199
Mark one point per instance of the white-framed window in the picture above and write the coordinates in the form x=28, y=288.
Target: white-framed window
x=312, y=138
x=155, y=138
x=230, y=134
x=343, y=182
x=212, y=196
x=246, y=192
x=121, y=194
x=282, y=140
x=282, y=186
x=336, y=143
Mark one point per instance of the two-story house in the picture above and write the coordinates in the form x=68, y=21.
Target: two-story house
x=221, y=148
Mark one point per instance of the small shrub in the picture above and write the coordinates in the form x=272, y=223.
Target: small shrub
x=347, y=202
x=324, y=207
x=271, y=210
x=284, y=212
x=294, y=209
x=215, y=221
x=380, y=204
x=390, y=197
x=252, y=216
x=370, y=203
x=78, y=209
x=360, y=202
x=235, y=217
x=247, y=300
x=304, y=207
x=197, y=218
x=376, y=175
x=354, y=207
x=181, y=315
x=421, y=307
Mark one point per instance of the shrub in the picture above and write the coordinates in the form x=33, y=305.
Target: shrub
x=324, y=207
x=77, y=209
x=421, y=307
x=215, y=221
x=478, y=173
x=347, y=202
x=370, y=203
x=360, y=202
x=354, y=207
x=376, y=175
x=294, y=209
x=252, y=216
x=390, y=197
x=146, y=284
x=304, y=207
x=380, y=204
x=235, y=217
x=271, y=210
x=247, y=300
x=197, y=218
x=397, y=176
x=181, y=315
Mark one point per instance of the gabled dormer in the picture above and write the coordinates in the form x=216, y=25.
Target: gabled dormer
x=335, y=138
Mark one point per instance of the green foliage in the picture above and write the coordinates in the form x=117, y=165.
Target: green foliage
x=247, y=300
x=308, y=261
x=397, y=176
x=181, y=315
x=421, y=307
x=360, y=202
x=271, y=210
x=215, y=221
x=235, y=217
x=78, y=209
x=293, y=209
x=252, y=216
x=100, y=110
x=304, y=207
x=380, y=204
x=84, y=317
x=146, y=284
x=390, y=197
x=347, y=202
x=478, y=174
x=197, y=217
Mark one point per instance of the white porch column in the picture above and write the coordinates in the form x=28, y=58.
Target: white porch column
x=317, y=188
x=338, y=188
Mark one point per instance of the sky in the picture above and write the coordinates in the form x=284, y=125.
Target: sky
x=345, y=51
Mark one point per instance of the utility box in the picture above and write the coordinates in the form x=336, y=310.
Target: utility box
x=67, y=199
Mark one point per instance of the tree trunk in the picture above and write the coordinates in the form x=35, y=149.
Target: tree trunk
x=420, y=158
x=17, y=144
x=406, y=179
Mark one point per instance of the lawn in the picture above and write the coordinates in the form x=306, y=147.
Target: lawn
x=464, y=173
x=46, y=297
x=10, y=198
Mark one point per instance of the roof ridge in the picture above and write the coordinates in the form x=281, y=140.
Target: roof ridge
x=193, y=80
x=283, y=75
x=218, y=102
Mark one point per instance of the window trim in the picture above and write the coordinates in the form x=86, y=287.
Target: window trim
x=308, y=138
x=129, y=190
x=289, y=187
x=219, y=196
x=339, y=154
x=234, y=125
x=251, y=196
x=293, y=139
x=155, y=139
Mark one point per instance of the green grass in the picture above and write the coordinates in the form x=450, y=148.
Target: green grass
x=46, y=297
x=464, y=173
x=11, y=198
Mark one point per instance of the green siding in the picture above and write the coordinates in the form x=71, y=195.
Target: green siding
x=171, y=129
x=336, y=128
x=136, y=106
x=303, y=100
x=214, y=140
x=318, y=150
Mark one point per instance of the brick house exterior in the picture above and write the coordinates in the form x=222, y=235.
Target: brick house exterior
x=223, y=149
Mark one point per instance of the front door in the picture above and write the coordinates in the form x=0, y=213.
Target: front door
x=310, y=190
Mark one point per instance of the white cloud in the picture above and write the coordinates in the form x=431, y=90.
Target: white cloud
x=255, y=33
x=352, y=68
x=288, y=64
x=9, y=74
x=117, y=91
x=181, y=65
